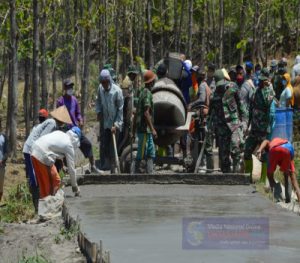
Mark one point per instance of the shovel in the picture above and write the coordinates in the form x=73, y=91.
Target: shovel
x=116, y=153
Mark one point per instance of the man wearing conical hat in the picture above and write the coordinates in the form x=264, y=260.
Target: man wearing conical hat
x=49, y=148
x=60, y=116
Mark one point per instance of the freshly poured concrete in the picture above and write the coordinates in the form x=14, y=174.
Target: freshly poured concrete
x=143, y=223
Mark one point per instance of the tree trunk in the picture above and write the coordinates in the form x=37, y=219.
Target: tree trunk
x=221, y=31
x=3, y=74
x=86, y=71
x=35, y=62
x=297, y=27
x=26, y=95
x=181, y=25
x=255, y=27
x=44, y=103
x=149, y=31
x=13, y=109
x=190, y=31
x=162, y=31
x=209, y=26
x=214, y=30
x=242, y=30
x=76, y=49
x=203, y=32
x=176, y=33
x=67, y=69
x=117, y=43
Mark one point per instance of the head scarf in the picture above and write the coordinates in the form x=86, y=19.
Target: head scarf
x=105, y=75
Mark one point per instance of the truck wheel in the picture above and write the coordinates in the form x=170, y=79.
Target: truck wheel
x=125, y=162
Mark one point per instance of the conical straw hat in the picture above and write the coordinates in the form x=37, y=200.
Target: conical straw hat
x=62, y=114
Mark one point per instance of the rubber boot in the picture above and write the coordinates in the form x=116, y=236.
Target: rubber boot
x=209, y=164
x=150, y=166
x=264, y=170
x=249, y=168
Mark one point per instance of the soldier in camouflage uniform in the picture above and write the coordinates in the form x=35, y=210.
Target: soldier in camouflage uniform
x=143, y=124
x=229, y=118
x=259, y=118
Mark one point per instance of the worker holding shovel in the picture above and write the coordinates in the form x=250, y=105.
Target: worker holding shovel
x=143, y=124
x=109, y=109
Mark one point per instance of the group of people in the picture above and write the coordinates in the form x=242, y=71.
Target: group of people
x=239, y=107
x=52, y=144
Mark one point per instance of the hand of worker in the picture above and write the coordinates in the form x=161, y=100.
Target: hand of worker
x=258, y=155
x=113, y=129
x=154, y=133
x=80, y=124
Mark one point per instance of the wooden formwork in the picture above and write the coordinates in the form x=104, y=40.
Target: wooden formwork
x=93, y=252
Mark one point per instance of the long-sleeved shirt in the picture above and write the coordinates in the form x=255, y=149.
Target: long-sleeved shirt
x=41, y=129
x=296, y=71
x=72, y=105
x=3, y=148
x=56, y=145
x=110, y=104
x=246, y=94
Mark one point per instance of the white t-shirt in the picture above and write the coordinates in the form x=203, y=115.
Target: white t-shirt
x=57, y=145
x=285, y=95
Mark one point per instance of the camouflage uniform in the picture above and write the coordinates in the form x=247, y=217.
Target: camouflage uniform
x=146, y=148
x=229, y=119
x=259, y=119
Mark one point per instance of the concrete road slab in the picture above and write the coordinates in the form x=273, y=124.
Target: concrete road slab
x=143, y=223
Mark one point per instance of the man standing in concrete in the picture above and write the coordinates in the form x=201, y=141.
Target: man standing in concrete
x=230, y=120
x=143, y=124
x=109, y=109
x=70, y=101
x=259, y=119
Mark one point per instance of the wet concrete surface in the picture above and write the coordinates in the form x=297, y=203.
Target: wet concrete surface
x=143, y=223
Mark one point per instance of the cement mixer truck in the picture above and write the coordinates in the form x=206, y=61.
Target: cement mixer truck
x=171, y=119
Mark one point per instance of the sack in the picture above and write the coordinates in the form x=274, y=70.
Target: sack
x=51, y=206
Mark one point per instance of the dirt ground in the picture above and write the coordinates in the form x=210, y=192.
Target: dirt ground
x=44, y=239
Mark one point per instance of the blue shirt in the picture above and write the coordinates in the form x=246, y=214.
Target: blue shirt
x=110, y=104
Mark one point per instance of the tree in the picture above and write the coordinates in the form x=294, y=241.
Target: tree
x=43, y=21
x=149, y=31
x=221, y=31
x=190, y=30
x=35, y=62
x=12, y=109
x=86, y=60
